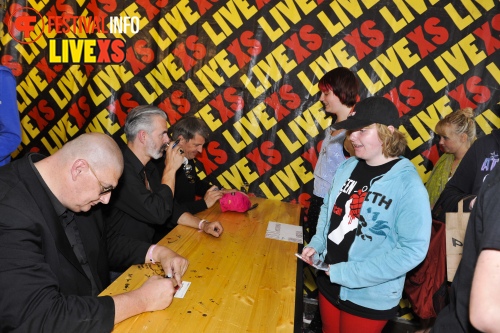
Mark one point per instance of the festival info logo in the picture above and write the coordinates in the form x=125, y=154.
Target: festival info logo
x=27, y=25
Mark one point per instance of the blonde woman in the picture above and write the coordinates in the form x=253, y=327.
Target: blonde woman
x=457, y=132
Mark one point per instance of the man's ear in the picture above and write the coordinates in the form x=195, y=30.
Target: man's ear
x=391, y=128
x=78, y=167
x=141, y=135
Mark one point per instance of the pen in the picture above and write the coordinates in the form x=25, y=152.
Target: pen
x=169, y=276
x=176, y=143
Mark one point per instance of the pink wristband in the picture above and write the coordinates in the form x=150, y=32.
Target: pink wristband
x=150, y=254
x=200, y=225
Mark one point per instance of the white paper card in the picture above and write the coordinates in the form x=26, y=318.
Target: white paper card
x=182, y=290
x=285, y=232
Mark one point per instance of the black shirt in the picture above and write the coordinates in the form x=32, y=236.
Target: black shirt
x=186, y=191
x=134, y=211
x=67, y=220
x=483, y=233
x=185, y=199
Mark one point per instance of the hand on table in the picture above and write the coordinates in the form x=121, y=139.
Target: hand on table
x=213, y=228
x=157, y=292
x=173, y=264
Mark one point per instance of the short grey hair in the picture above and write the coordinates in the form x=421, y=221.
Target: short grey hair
x=140, y=118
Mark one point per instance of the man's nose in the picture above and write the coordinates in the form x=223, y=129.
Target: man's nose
x=105, y=198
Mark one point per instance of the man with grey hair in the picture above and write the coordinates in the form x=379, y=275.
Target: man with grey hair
x=143, y=198
x=55, y=249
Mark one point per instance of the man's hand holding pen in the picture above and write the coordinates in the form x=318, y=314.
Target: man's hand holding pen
x=174, y=155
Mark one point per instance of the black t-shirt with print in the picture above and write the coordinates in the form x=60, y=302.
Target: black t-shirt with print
x=345, y=225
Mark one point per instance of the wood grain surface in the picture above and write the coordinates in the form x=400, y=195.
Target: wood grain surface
x=240, y=282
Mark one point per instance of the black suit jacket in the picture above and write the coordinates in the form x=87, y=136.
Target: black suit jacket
x=186, y=191
x=43, y=287
x=185, y=197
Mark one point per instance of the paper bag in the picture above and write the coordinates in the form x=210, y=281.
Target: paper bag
x=456, y=224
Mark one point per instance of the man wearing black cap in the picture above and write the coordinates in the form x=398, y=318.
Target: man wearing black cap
x=374, y=226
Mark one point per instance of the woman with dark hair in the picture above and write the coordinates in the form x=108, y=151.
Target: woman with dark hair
x=339, y=90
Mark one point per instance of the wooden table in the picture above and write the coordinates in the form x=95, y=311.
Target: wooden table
x=240, y=282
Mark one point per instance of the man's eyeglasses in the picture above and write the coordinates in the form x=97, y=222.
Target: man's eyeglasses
x=104, y=189
x=188, y=169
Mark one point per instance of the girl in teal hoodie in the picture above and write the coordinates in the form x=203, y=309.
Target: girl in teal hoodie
x=374, y=225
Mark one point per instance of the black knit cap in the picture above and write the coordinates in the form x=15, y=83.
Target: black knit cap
x=369, y=111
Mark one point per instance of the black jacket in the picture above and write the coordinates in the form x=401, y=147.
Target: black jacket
x=186, y=191
x=43, y=287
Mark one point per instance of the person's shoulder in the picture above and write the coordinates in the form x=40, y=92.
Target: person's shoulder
x=406, y=171
x=484, y=145
x=130, y=160
x=126, y=151
x=404, y=163
x=7, y=180
x=6, y=72
x=5, y=68
x=444, y=157
x=493, y=178
x=11, y=183
x=347, y=165
x=351, y=160
x=493, y=136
